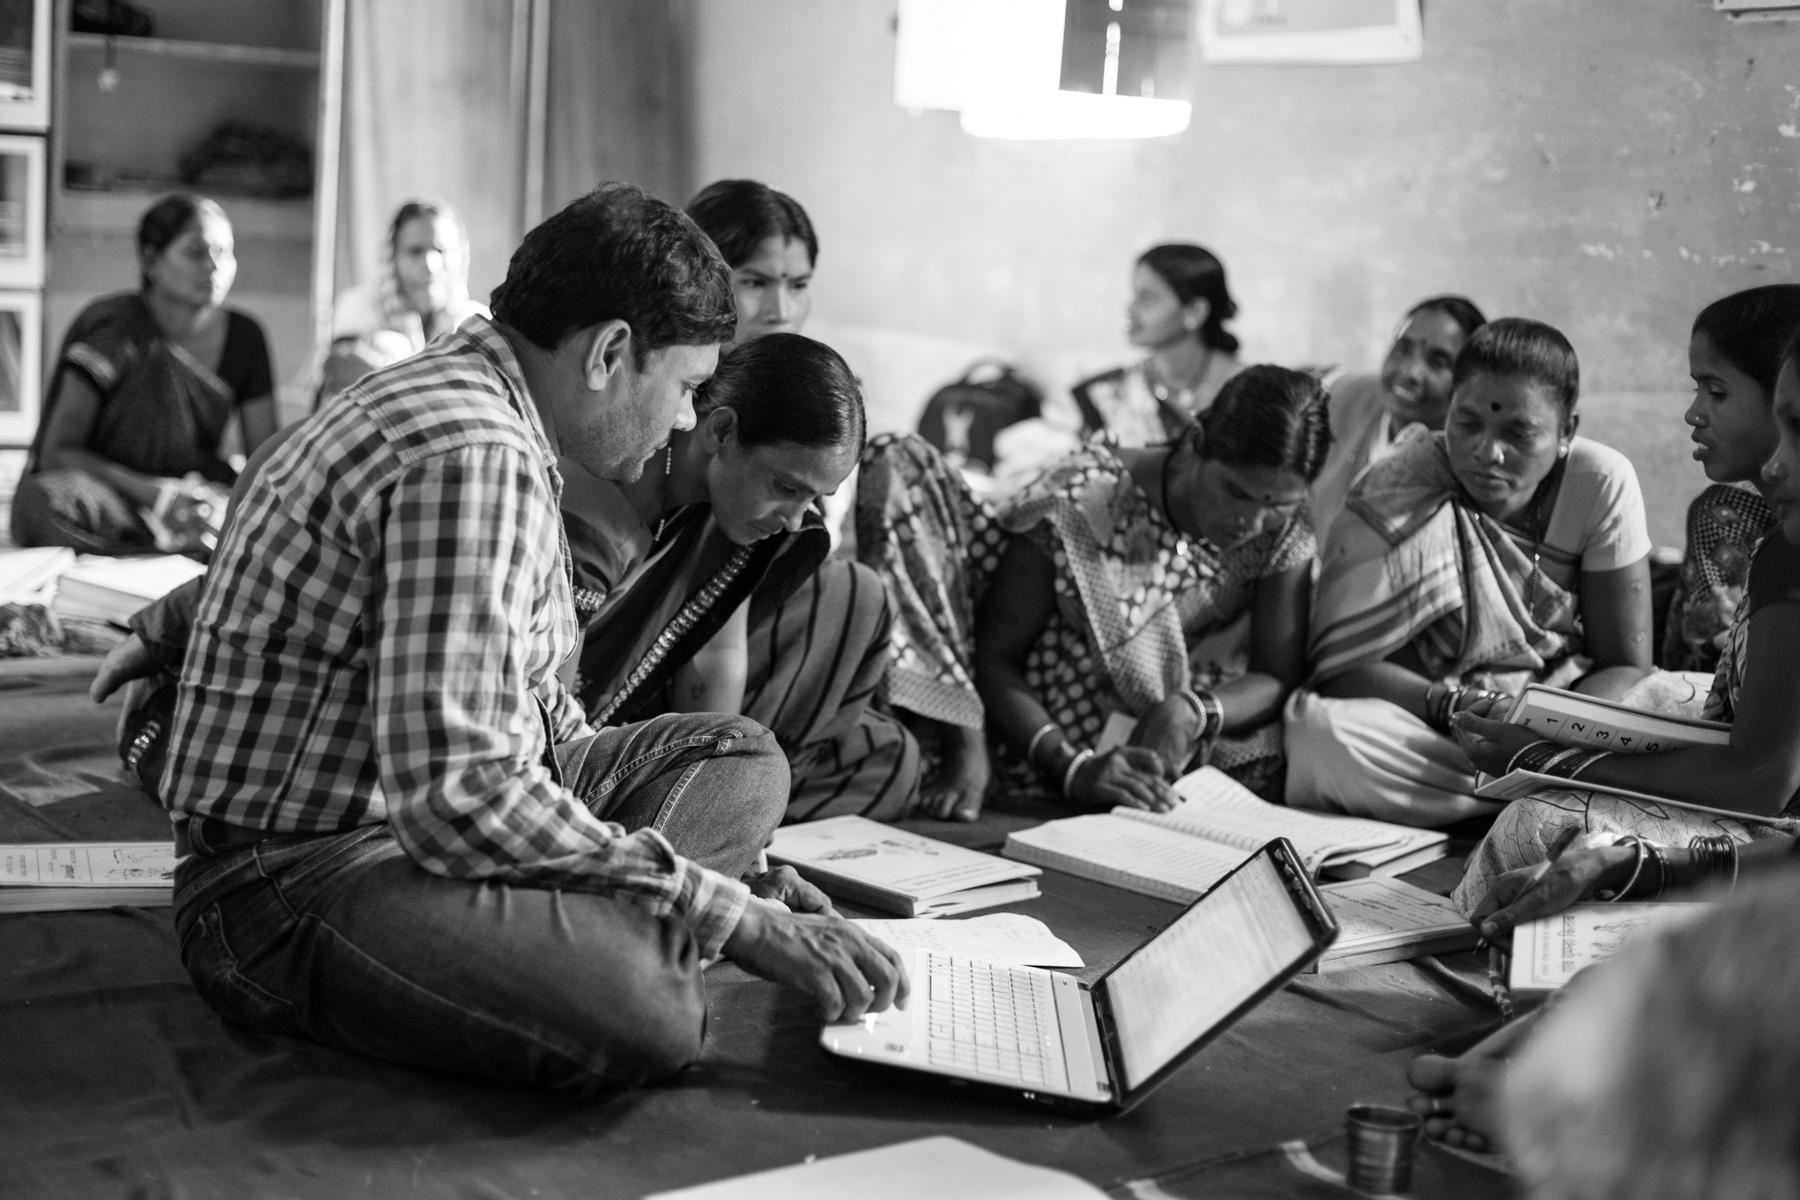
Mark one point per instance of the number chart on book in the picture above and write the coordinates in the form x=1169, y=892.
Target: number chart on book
x=1595, y=724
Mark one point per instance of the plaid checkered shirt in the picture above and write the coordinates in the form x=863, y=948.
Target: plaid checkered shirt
x=379, y=636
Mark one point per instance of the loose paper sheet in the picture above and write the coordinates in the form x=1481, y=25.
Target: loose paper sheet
x=1548, y=951
x=1011, y=938
x=936, y=1166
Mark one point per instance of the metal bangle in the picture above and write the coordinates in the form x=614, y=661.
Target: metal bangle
x=1068, y=778
x=1048, y=727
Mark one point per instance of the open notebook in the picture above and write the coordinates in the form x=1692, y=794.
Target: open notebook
x=1179, y=854
x=1045, y=1037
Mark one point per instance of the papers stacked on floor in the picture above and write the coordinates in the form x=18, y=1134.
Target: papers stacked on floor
x=29, y=576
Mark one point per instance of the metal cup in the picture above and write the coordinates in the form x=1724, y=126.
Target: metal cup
x=1381, y=1141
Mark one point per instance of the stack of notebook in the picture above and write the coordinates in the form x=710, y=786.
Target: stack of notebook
x=97, y=588
x=52, y=876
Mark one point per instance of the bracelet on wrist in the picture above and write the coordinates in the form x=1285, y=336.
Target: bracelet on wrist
x=1075, y=764
x=1715, y=859
x=1576, y=767
x=1043, y=731
x=1534, y=757
x=1215, y=713
x=1613, y=896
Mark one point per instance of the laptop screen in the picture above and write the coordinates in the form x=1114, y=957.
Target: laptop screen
x=1214, y=957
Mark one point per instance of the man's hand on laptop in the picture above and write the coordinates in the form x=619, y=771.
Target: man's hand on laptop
x=848, y=972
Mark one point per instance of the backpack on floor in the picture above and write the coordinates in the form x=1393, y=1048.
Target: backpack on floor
x=961, y=418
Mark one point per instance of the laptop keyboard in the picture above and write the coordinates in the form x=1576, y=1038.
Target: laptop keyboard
x=994, y=1020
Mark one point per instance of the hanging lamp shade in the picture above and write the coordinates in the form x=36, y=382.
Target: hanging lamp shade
x=1043, y=69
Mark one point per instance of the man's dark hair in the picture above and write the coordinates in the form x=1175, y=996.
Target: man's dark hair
x=618, y=253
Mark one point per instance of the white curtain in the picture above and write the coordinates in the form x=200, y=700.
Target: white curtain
x=432, y=106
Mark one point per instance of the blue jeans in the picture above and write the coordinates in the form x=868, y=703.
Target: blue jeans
x=340, y=938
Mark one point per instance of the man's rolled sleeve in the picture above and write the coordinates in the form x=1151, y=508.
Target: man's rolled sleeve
x=710, y=905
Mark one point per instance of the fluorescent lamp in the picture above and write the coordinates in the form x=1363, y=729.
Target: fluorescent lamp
x=999, y=63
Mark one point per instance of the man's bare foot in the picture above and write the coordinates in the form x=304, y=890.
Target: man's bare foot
x=1459, y=1097
x=956, y=791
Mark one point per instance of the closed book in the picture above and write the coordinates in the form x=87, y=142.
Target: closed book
x=53, y=876
x=1177, y=855
x=1590, y=723
x=892, y=870
x=1385, y=920
x=98, y=588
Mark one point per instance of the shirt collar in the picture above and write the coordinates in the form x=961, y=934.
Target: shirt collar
x=488, y=339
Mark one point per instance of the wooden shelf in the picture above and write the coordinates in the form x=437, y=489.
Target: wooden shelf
x=214, y=52
x=119, y=212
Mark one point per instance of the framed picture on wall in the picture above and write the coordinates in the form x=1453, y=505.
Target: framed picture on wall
x=21, y=366
x=25, y=64
x=1310, y=31
x=21, y=211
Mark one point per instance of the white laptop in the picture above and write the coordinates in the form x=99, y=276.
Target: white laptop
x=1050, y=1038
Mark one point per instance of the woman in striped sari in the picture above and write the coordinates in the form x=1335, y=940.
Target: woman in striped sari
x=706, y=585
x=1500, y=551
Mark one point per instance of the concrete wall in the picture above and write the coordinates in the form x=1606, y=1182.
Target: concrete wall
x=1608, y=166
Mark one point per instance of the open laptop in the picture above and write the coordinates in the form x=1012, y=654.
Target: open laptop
x=1050, y=1038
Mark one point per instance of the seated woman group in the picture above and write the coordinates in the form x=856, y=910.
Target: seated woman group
x=129, y=456
x=1135, y=611
x=1166, y=586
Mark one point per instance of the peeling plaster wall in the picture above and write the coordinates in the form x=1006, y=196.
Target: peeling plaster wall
x=1608, y=166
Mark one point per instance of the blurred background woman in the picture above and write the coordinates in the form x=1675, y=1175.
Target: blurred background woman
x=1179, y=306
x=1369, y=411
x=130, y=455
x=422, y=290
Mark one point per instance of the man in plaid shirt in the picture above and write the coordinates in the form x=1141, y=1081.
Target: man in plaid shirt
x=398, y=835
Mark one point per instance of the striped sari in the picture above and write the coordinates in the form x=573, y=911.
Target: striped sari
x=817, y=649
x=1413, y=564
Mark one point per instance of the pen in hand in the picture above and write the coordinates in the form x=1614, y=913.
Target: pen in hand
x=1491, y=929
x=1561, y=843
